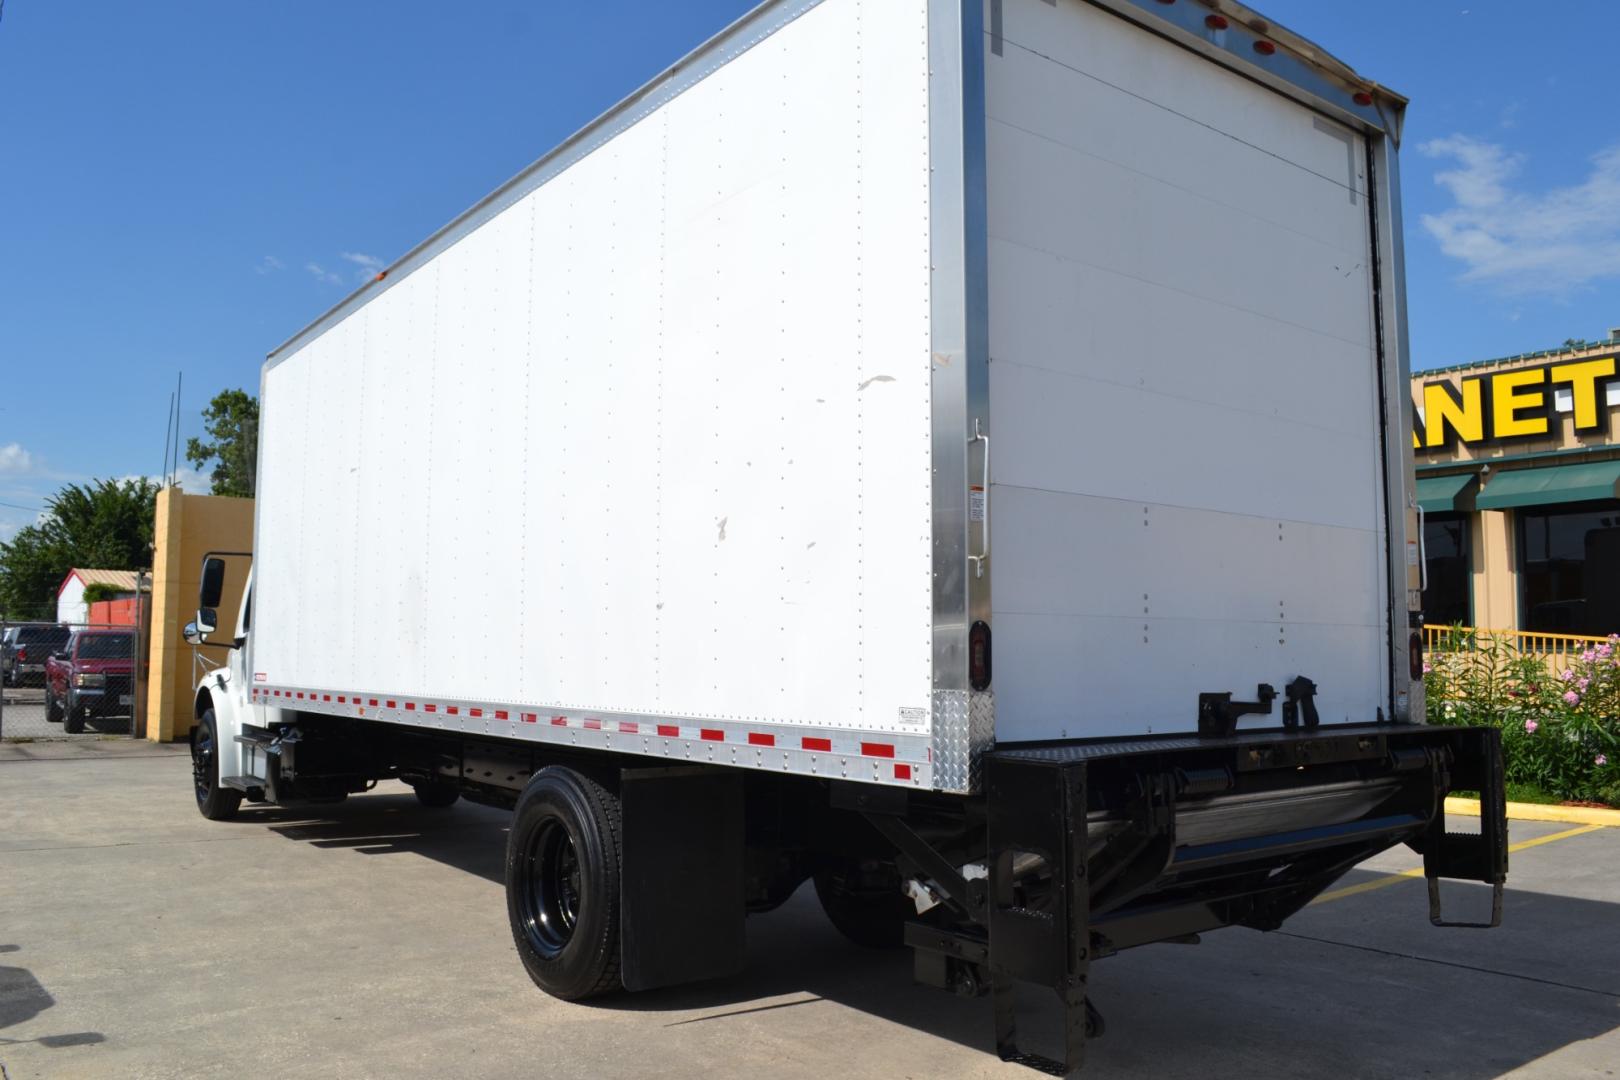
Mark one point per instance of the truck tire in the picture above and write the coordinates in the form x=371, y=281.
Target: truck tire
x=73, y=717
x=53, y=711
x=436, y=796
x=864, y=903
x=562, y=883
x=215, y=802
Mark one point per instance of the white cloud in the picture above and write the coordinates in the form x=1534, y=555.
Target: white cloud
x=1523, y=242
x=190, y=480
x=322, y=274
x=368, y=265
x=14, y=459
x=269, y=265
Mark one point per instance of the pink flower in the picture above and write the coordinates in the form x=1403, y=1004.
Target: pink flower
x=1582, y=684
x=1588, y=656
x=1567, y=674
x=1530, y=726
x=1601, y=759
x=1605, y=651
x=1426, y=667
x=1571, y=698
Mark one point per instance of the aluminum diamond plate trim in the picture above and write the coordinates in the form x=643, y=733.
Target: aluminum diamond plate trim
x=964, y=728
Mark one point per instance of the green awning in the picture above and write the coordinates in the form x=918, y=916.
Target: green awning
x=1555, y=484
x=1438, y=494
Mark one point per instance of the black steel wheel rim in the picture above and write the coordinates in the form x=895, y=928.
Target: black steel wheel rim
x=550, y=897
x=202, y=761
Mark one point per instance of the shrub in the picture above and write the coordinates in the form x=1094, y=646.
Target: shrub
x=1560, y=733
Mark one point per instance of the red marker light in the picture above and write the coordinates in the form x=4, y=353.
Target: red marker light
x=1361, y=97
x=1216, y=22
x=1264, y=47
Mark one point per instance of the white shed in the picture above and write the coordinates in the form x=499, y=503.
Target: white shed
x=70, y=605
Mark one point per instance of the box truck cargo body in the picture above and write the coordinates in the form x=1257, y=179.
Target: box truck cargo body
x=971, y=440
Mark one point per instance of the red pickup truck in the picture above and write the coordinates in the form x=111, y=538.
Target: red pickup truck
x=93, y=675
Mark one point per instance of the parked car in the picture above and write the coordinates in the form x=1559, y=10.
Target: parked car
x=24, y=650
x=92, y=675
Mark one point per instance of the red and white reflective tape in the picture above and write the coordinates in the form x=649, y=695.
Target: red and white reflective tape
x=853, y=755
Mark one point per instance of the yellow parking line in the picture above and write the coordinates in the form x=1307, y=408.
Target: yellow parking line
x=1574, y=815
x=1379, y=883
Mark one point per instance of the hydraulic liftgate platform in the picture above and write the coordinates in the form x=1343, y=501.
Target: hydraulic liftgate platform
x=1096, y=847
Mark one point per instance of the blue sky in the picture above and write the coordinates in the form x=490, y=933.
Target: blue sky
x=185, y=184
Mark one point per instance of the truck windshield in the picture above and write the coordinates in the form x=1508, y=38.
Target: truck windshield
x=51, y=637
x=107, y=647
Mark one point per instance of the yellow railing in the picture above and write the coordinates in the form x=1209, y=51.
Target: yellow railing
x=1557, y=649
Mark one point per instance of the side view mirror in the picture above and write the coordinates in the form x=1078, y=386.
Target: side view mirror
x=206, y=622
x=212, y=589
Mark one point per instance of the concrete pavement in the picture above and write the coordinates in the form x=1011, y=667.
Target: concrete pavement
x=139, y=940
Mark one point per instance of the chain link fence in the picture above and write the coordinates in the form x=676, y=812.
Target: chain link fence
x=72, y=680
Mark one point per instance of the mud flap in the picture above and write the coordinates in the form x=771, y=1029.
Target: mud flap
x=1037, y=816
x=681, y=876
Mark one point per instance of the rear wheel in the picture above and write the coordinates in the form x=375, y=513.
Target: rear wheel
x=53, y=711
x=864, y=901
x=73, y=717
x=216, y=803
x=562, y=884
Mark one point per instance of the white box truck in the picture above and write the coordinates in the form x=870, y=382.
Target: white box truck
x=654, y=497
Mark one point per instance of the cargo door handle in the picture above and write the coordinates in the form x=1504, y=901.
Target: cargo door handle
x=979, y=503
x=1423, y=551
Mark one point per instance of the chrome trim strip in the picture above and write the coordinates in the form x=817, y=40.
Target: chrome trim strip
x=733, y=41
x=963, y=721
x=1384, y=174
x=903, y=762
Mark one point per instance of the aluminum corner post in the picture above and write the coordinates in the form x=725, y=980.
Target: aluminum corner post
x=1405, y=601
x=963, y=718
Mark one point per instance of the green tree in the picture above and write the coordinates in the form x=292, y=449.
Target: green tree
x=232, y=420
x=106, y=524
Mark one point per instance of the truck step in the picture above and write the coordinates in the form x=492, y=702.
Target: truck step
x=253, y=785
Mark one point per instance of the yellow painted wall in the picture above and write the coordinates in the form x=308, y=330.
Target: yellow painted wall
x=188, y=528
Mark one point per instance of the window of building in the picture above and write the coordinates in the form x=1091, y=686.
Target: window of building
x=1448, y=599
x=1569, y=568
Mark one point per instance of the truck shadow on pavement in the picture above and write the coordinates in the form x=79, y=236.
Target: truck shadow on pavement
x=22, y=998
x=1363, y=987
x=468, y=837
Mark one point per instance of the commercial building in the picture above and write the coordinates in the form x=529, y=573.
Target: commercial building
x=1518, y=462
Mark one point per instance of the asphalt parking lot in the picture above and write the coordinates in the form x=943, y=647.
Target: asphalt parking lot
x=139, y=940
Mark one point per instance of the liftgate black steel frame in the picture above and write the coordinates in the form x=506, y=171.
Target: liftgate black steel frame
x=1057, y=897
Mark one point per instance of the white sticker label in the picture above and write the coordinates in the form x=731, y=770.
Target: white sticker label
x=1411, y=553
x=913, y=716
x=976, y=504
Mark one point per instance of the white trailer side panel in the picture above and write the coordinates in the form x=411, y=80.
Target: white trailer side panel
x=628, y=445
x=1186, y=494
